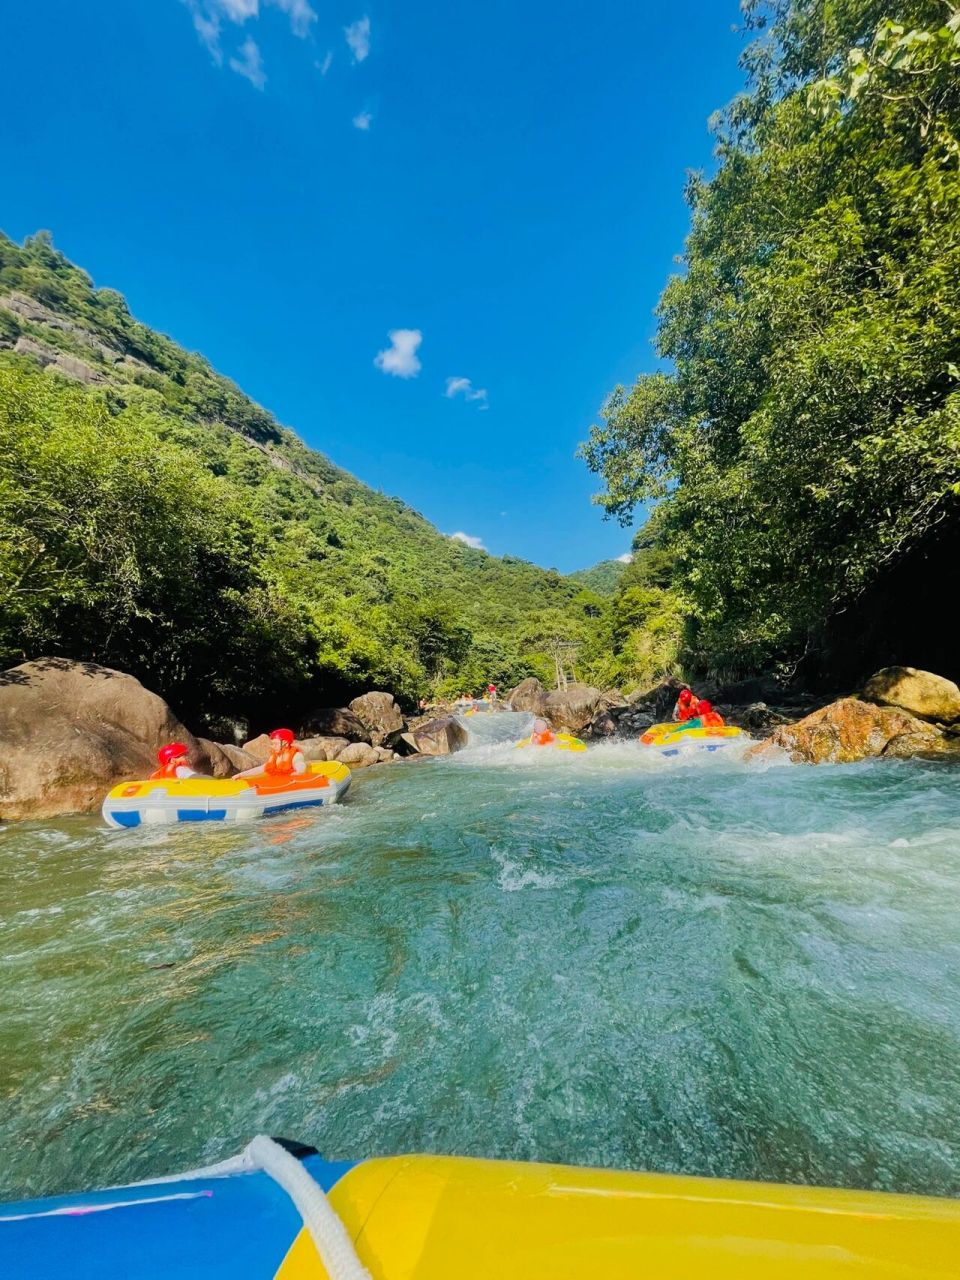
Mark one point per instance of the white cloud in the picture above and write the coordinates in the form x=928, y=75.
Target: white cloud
x=209, y=15
x=625, y=558
x=324, y=66
x=250, y=64
x=363, y=120
x=358, y=38
x=464, y=387
x=400, y=358
x=470, y=540
x=300, y=14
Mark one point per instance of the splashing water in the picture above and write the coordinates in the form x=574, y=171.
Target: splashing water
x=612, y=958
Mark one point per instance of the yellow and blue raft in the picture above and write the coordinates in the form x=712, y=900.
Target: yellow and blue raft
x=427, y=1217
x=158, y=801
x=670, y=738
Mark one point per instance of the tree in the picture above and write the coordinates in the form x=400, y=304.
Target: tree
x=806, y=445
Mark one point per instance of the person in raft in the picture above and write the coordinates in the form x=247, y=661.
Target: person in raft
x=686, y=706
x=541, y=735
x=174, y=764
x=709, y=719
x=284, y=761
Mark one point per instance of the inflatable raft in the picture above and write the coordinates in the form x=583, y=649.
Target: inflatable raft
x=669, y=739
x=447, y=1218
x=158, y=801
x=561, y=742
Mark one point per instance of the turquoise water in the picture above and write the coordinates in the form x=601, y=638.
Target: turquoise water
x=691, y=965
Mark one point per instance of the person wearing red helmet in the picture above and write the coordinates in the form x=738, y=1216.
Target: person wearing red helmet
x=285, y=760
x=686, y=707
x=708, y=718
x=174, y=764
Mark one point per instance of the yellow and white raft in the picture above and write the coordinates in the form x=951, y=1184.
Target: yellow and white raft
x=558, y=742
x=670, y=739
x=159, y=801
x=426, y=1217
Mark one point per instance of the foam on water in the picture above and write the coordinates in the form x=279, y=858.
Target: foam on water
x=612, y=958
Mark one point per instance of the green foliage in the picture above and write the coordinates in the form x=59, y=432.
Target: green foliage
x=807, y=443
x=164, y=524
x=602, y=578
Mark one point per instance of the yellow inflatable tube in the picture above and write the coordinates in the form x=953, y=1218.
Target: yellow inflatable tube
x=450, y=1218
x=561, y=742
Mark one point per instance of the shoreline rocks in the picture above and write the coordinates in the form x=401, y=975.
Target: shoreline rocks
x=852, y=729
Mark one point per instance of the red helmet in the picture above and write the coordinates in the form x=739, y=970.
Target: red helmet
x=285, y=735
x=704, y=705
x=686, y=694
x=171, y=751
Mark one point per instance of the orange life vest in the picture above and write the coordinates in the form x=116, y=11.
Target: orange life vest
x=712, y=720
x=543, y=739
x=280, y=763
x=168, y=770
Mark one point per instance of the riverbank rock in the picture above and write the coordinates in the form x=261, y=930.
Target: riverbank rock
x=438, y=737
x=851, y=730
x=69, y=731
x=571, y=710
x=923, y=694
x=359, y=755
x=336, y=722
x=380, y=716
x=529, y=695
x=238, y=758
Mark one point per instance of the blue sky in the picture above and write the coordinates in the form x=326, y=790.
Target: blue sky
x=281, y=184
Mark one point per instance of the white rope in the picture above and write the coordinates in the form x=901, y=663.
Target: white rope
x=319, y=1217
x=326, y=1230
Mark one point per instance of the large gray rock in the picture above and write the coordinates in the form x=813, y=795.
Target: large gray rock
x=923, y=694
x=570, y=710
x=529, y=695
x=359, y=755
x=337, y=722
x=238, y=758
x=439, y=737
x=380, y=716
x=322, y=748
x=69, y=731
x=852, y=729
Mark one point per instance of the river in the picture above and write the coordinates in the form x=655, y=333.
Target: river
x=695, y=965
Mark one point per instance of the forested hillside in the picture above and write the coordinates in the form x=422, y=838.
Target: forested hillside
x=804, y=446
x=154, y=518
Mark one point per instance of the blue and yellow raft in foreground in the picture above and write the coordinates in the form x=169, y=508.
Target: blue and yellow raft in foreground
x=449, y=1218
x=163, y=800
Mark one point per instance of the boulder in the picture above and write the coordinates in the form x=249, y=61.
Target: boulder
x=238, y=757
x=69, y=731
x=380, y=715
x=851, y=730
x=529, y=695
x=258, y=748
x=744, y=692
x=570, y=710
x=758, y=718
x=359, y=755
x=338, y=722
x=602, y=725
x=438, y=737
x=612, y=700
x=658, y=701
x=211, y=758
x=923, y=694
x=322, y=748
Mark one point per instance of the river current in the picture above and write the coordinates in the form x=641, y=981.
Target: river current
x=694, y=964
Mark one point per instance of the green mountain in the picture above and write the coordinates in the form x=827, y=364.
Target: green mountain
x=603, y=577
x=154, y=518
